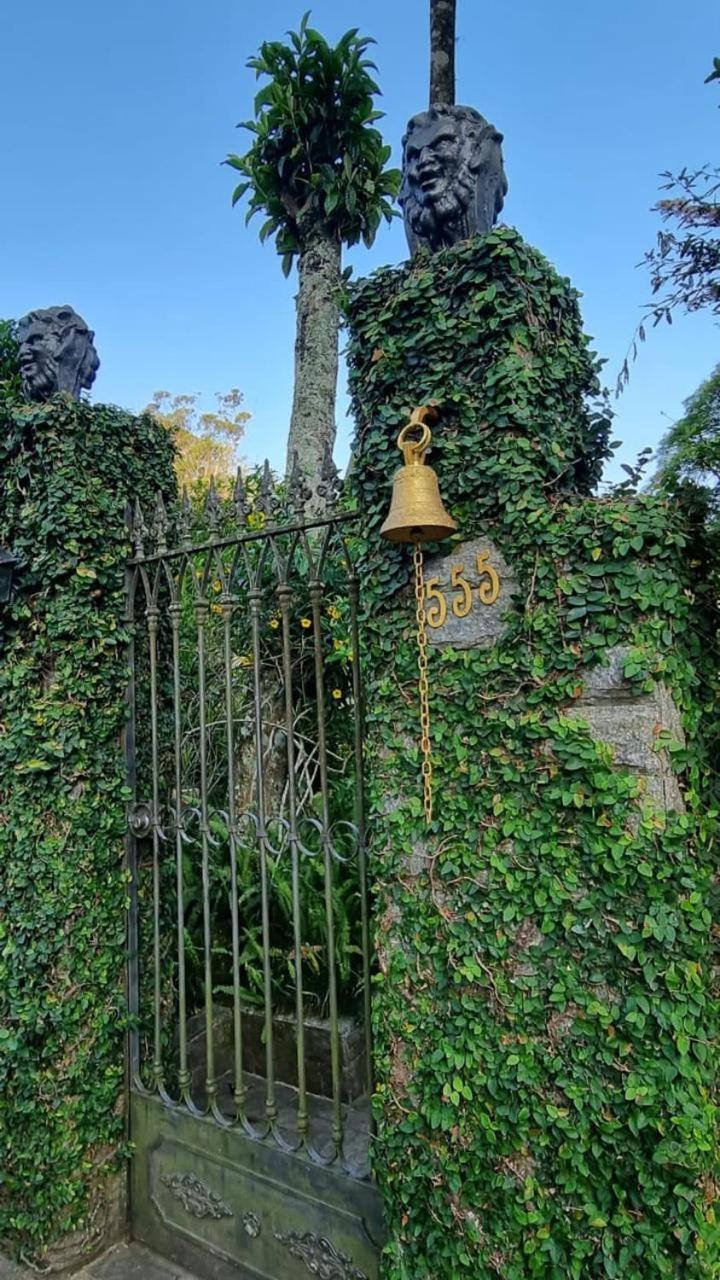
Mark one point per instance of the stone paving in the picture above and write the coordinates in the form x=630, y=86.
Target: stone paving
x=122, y=1262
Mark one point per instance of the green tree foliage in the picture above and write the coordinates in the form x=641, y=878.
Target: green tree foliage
x=686, y=260
x=545, y=1017
x=206, y=443
x=684, y=263
x=688, y=469
x=315, y=159
x=317, y=170
x=690, y=451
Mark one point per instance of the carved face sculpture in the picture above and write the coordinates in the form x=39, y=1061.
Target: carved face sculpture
x=56, y=353
x=453, y=178
x=433, y=159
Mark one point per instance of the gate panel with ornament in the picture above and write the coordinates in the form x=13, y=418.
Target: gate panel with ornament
x=249, y=959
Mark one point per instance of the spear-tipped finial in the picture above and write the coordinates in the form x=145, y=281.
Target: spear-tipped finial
x=266, y=501
x=185, y=519
x=299, y=492
x=213, y=509
x=239, y=501
x=160, y=526
x=139, y=530
x=330, y=483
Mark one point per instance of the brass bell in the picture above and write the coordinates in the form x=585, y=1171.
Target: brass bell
x=416, y=512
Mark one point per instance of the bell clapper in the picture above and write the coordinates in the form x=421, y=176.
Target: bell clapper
x=417, y=515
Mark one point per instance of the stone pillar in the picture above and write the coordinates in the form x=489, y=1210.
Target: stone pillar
x=543, y=999
x=66, y=472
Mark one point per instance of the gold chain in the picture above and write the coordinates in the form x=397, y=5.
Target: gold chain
x=423, y=681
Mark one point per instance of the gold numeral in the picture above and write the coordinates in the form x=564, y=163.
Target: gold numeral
x=437, y=613
x=490, y=590
x=462, y=604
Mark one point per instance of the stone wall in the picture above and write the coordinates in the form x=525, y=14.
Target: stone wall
x=67, y=471
x=543, y=1006
x=631, y=723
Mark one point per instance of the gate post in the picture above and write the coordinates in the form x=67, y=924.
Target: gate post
x=543, y=999
x=67, y=470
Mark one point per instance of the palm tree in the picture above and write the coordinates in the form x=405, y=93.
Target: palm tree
x=316, y=169
x=442, y=51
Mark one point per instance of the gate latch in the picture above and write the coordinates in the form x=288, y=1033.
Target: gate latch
x=140, y=820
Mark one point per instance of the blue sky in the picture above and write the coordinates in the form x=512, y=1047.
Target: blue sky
x=116, y=117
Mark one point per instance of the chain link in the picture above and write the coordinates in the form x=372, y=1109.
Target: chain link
x=423, y=681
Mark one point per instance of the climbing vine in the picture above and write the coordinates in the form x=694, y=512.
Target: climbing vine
x=66, y=472
x=9, y=368
x=545, y=1023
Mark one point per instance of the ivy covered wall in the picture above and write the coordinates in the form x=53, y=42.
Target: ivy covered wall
x=544, y=1015
x=66, y=472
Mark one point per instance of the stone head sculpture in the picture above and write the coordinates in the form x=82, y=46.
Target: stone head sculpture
x=56, y=353
x=454, y=183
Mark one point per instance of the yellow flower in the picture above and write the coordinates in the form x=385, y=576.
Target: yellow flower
x=333, y=612
x=243, y=661
x=217, y=586
x=337, y=693
x=274, y=623
x=216, y=608
x=306, y=622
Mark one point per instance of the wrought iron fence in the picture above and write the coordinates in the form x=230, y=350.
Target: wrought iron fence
x=249, y=959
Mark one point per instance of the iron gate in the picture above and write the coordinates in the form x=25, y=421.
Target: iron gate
x=249, y=961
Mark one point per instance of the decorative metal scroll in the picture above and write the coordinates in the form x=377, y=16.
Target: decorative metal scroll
x=320, y=1256
x=195, y=1197
x=246, y=827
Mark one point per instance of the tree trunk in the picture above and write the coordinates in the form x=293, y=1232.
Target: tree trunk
x=312, y=427
x=442, y=51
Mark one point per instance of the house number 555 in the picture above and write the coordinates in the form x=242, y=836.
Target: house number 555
x=487, y=591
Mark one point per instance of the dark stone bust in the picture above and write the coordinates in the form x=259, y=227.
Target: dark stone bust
x=56, y=353
x=454, y=182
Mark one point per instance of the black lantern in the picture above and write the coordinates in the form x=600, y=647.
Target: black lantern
x=8, y=563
